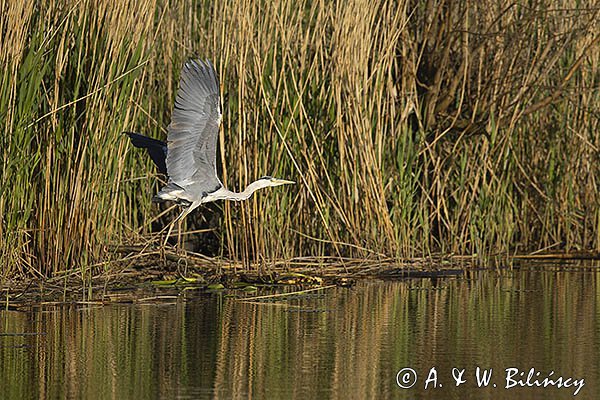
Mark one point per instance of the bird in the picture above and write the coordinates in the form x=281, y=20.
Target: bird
x=188, y=157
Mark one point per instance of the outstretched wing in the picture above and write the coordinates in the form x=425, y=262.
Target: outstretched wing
x=156, y=149
x=192, y=133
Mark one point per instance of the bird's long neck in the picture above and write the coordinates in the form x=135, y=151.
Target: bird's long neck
x=251, y=188
x=227, y=194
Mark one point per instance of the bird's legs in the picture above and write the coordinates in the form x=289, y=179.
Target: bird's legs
x=176, y=220
x=179, y=219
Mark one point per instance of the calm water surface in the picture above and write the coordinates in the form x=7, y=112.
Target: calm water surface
x=339, y=344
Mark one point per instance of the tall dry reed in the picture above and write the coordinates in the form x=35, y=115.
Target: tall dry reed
x=411, y=127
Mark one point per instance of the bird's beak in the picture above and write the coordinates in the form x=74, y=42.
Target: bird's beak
x=282, y=181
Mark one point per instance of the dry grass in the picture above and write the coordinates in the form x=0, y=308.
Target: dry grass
x=411, y=127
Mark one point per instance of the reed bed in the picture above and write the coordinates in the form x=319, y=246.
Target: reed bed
x=411, y=127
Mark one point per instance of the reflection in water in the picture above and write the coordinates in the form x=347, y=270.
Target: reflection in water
x=343, y=344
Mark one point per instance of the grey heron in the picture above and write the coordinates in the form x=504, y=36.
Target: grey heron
x=188, y=158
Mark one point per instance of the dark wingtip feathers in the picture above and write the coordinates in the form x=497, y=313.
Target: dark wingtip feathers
x=157, y=150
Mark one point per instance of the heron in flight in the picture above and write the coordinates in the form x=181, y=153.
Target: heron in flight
x=188, y=158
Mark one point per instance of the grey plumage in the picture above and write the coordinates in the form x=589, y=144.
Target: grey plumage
x=192, y=134
x=191, y=150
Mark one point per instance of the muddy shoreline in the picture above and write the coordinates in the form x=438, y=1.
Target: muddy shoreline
x=140, y=276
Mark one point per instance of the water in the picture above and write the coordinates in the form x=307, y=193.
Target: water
x=339, y=344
